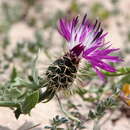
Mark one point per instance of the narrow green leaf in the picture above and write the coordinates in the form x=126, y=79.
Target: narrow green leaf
x=34, y=71
x=24, y=83
x=13, y=74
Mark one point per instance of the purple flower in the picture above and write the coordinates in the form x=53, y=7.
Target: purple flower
x=87, y=40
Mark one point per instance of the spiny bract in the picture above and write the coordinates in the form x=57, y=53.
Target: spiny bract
x=62, y=72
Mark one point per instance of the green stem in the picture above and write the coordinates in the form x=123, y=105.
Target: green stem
x=71, y=117
x=8, y=104
x=33, y=127
x=121, y=71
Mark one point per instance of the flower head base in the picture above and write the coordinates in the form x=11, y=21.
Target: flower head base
x=87, y=40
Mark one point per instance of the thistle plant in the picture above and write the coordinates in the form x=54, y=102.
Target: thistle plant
x=84, y=40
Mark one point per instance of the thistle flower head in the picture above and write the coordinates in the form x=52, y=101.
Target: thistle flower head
x=87, y=40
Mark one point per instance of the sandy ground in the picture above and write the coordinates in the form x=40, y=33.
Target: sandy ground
x=42, y=113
